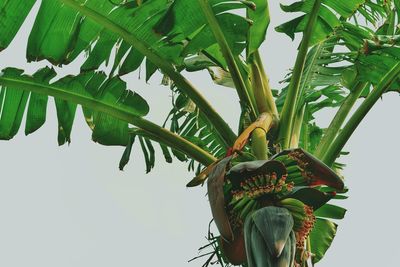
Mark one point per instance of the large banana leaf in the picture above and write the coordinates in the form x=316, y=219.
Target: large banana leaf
x=321, y=238
x=376, y=54
x=197, y=36
x=260, y=21
x=60, y=33
x=331, y=15
x=93, y=90
x=13, y=14
x=109, y=110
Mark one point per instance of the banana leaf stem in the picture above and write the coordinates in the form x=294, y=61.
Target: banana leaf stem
x=340, y=141
x=305, y=130
x=338, y=120
x=258, y=88
x=169, y=138
x=297, y=126
x=237, y=77
x=225, y=132
x=269, y=98
x=289, y=107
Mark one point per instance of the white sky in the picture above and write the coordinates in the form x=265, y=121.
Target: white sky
x=71, y=206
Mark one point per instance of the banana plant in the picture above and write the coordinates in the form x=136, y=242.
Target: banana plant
x=269, y=182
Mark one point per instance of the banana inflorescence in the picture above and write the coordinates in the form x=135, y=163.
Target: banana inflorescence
x=263, y=194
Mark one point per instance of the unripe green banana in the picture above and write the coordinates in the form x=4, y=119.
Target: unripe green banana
x=295, y=209
x=241, y=204
x=299, y=216
x=292, y=202
x=293, y=169
x=248, y=208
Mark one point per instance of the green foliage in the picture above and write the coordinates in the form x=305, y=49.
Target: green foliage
x=351, y=51
x=186, y=120
x=93, y=90
x=331, y=15
x=15, y=14
x=331, y=211
x=260, y=21
x=321, y=237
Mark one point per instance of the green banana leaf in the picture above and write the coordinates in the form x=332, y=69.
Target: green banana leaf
x=321, y=238
x=185, y=120
x=173, y=33
x=13, y=15
x=260, y=21
x=329, y=17
x=60, y=33
x=93, y=90
x=331, y=211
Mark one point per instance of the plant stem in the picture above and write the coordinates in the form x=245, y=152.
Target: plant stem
x=296, y=130
x=339, y=119
x=169, y=138
x=222, y=128
x=249, y=87
x=305, y=130
x=340, y=141
x=289, y=107
x=258, y=88
x=269, y=98
x=238, y=80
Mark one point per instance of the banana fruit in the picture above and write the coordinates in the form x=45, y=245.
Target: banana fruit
x=303, y=217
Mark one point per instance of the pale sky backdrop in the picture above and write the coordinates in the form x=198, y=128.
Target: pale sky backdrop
x=70, y=206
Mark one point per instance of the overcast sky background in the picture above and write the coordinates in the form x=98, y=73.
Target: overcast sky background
x=70, y=206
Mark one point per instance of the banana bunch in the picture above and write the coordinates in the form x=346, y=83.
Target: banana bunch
x=253, y=190
x=303, y=217
x=295, y=169
x=243, y=207
x=263, y=184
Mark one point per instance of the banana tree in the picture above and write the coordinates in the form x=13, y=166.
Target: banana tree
x=269, y=182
